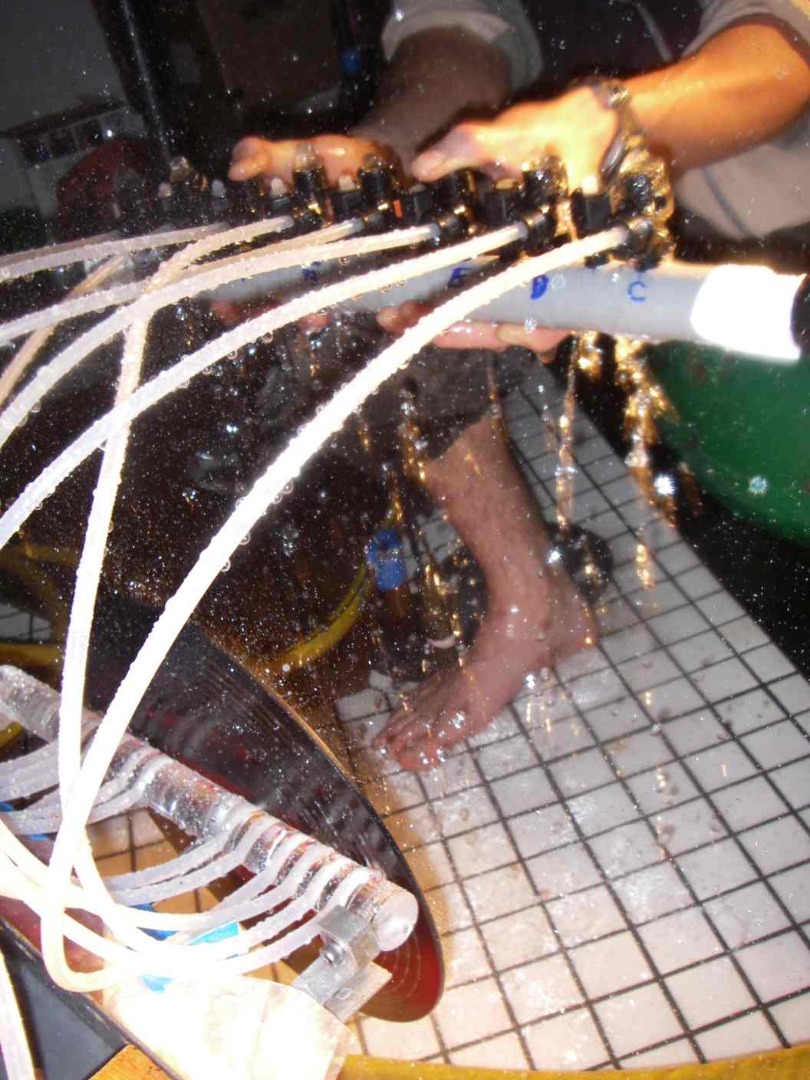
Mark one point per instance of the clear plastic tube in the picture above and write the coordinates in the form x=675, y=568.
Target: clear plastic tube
x=27, y=354
x=13, y=1039
x=78, y=304
x=269, y=487
x=124, y=294
x=34, y=773
x=195, y=363
x=31, y=262
x=179, y=882
x=206, y=279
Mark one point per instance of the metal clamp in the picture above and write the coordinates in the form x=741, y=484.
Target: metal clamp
x=344, y=977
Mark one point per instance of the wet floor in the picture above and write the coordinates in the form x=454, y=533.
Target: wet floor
x=620, y=865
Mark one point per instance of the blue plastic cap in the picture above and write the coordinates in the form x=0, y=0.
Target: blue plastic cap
x=387, y=560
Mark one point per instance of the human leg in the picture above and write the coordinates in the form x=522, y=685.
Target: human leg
x=534, y=614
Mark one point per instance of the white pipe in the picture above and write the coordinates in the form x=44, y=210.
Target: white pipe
x=746, y=309
x=89, y=569
x=241, y=234
x=123, y=294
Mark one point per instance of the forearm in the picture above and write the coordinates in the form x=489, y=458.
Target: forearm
x=740, y=89
x=435, y=77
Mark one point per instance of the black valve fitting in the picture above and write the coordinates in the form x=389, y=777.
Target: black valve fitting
x=418, y=205
x=453, y=225
x=187, y=200
x=545, y=182
x=644, y=246
x=590, y=213
x=248, y=201
x=306, y=218
x=379, y=219
x=541, y=228
x=456, y=189
x=277, y=203
x=377, y=180
x=309, y=185
x=502, y=204
x=347, y=203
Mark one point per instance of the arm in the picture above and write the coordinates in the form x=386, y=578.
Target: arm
x=743, y=87
x=433, y=77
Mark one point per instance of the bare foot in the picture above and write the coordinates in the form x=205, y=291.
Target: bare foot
x=550, y=622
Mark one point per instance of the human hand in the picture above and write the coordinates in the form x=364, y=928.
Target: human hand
x=473, y=335
x=339, y=154
x=576, y=127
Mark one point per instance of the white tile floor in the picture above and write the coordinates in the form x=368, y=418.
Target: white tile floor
x=620, y=866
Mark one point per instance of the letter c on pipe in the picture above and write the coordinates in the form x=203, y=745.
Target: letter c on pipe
x=637, y=291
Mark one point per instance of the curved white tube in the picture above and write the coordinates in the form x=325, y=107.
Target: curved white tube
x=267, y=489
x=31, y=262
x=184, y=256
x=206, y=279
x=13, y=1039
x=124, y=294
x=179, y=374
x=27, y=354
x=89, y=569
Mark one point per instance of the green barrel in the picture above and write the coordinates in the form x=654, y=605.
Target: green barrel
x=743, y=427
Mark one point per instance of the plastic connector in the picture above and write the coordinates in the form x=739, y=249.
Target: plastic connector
x=455, y=190
x=590, y=213
x=541, y=229
x=545, y=181
x=377, y=180
x=418, y=205
x=347, y=203
x=502, y=203
x=309, y=178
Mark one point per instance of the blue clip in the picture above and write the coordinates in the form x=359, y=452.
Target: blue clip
x=158, y=983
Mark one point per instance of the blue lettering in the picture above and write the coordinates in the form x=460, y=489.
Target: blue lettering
x=539, y=286
x=637, y=291
x=458, y=275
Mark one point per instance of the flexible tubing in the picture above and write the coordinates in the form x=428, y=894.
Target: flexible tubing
x=205, y=280
x=91, y=561
x=71, y=308
x=13, y=1039
x=267, y=489
x=176, y=376
x=27, y=354
x=180, y=883
x=374, y=280
x=30, y=775
x=31, y=262
x=454, y=255
x=124, y=294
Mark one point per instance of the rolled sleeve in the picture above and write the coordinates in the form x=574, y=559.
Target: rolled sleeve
x=720, y=14
x=501, y=23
